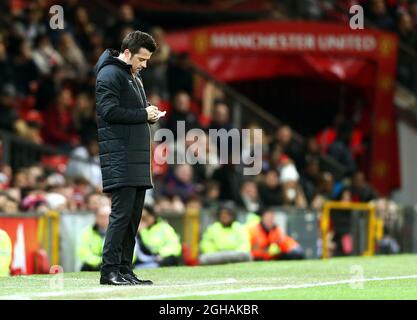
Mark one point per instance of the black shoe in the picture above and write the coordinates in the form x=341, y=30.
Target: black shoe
x=114, y=278
x=134, y=280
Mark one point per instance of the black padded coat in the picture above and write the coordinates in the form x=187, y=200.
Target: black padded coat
x=123, y=129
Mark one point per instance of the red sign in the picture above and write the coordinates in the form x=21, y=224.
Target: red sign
x=23, y=231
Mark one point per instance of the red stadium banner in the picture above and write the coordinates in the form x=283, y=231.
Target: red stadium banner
x=261, y=50
x=23, y=232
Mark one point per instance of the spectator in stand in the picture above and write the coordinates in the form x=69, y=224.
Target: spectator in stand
x=75, y=62
x=32, y=131
x=212, y=194
x=34, y=25
x=325, y=191
x=84, y=117
x=6, y=68
x=292, y=192
x=126, y=19
x=48, y=88
x=284, y=138
x=269, y=242
x=35, y=201
x=8, y=204
x=21, y=181
x=156, y=76
x=83, y=28
x=327, y=136
x=93, y=201
x=310, y=178
x=194, y=203
x=45, y=56
x=180, y=183
x=200, y=152
x=312, y=150
x=25, y=72
x=406, y=69
x=270, y=190
x=229, y=178
x=9, y=117
x=5, y=253
x=59, y=129
x=249, y=196
x=6, y=173
x=221, y=117
x=90, y=250
x=225, y=240
x=407, y=32
x=276, y=157
x=182, y=112
x=340, y=149
x=180, y=76
x=360, y=190
x=158, y=239
x=212, y=94
x=84, y=163
x=169, y=205
x=379, y=15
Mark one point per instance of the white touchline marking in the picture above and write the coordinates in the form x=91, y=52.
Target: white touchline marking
x=299, y=286
x=201, y=293
x=111, y=289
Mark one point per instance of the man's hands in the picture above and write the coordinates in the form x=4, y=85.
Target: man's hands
x=154, y=114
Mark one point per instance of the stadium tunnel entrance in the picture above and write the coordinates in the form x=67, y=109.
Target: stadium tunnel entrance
x=318, y=62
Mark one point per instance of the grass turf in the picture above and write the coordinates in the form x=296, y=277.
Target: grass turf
x=379, y=277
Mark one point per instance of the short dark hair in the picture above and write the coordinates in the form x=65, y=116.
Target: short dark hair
x=136, y=40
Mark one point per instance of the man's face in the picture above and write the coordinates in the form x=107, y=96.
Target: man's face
x=225, y=218
x=139, y=60
x=94, y=202
x=268, y=219
x=182, y=102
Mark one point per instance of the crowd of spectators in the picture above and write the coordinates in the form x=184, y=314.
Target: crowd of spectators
x=47, y=97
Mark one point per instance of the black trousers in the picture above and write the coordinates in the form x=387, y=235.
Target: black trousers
x=126, y=211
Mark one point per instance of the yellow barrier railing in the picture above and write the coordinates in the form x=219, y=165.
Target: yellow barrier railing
x=192, y=231
x=375, y=225
x=48, y=235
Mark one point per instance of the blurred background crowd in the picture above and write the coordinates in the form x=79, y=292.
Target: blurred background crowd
x=47, y=98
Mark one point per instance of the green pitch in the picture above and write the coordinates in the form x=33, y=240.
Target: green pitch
x=380, y=277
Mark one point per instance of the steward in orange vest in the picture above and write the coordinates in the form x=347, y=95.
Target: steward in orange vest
x=269, y=242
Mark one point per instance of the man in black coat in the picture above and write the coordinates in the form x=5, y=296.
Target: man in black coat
x=123, y=117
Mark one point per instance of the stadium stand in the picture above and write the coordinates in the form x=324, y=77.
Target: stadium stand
x=48, y=129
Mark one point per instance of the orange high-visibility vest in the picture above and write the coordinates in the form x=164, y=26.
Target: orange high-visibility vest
x=261, y=240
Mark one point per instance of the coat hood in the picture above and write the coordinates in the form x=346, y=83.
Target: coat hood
x=109, y=56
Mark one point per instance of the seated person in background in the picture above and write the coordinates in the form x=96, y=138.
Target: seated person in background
x=144, y=258
x=226, y=240
x=270, y=190
x=249, y=196
x=157, y=243
x=269, y=242
x=5, y=253
x=90, y=250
